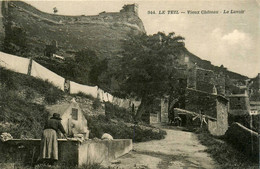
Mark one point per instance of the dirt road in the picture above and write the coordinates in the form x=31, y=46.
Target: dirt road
x=178, y=150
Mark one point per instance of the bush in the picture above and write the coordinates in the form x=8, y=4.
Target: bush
x=81, y=94
x=96, y=104
x=16, y=81
x=119, y=130
x=52, y=95
x=246, y=120
x=116, y=112
x=19, y=117
x=224, y=154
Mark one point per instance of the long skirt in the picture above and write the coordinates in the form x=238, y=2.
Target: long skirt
x=49, y=145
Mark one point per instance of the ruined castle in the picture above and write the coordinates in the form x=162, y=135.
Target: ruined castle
x=102, y=33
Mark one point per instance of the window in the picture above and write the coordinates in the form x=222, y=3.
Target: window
x=74, y=114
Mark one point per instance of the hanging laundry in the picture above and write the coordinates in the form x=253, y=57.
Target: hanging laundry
x=15, y=63
x=45, y=74
x=89, y=90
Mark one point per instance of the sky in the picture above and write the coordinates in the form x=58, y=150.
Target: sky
x=230, y=39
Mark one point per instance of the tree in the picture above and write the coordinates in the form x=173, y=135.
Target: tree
x=148, y=67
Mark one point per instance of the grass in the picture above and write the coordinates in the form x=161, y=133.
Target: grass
x=224, y=154
x=20, y=115
x=17, y=82
x=119, y=130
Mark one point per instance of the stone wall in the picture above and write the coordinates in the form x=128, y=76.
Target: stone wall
x=91, y=152
x=245, y=140
x=220, y=83
x=197, y=100
x=219, y=127
x=239, y=105
x=164, y=110
x=26, y=152
x=205, y=80
x=71, y=153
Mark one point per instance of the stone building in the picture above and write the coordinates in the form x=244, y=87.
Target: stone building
x=130, y=8
x=73, y=120
x=239, y=104
x=215, y=107
x=254, y=107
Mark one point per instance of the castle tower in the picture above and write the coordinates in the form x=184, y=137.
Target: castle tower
x=130, y=8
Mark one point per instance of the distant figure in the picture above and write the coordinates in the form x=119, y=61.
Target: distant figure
x=106, y=136
x=202, y=119
x=55, y=10
x=171, y=116
x=177, y=121
x=49, y=142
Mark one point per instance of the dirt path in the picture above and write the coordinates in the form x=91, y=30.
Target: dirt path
x=178, y=150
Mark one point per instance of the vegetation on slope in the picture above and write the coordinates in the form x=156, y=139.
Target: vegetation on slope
x=22, y=106
x=224, y=154
x=21, y=115
x=84, y=68
x=118, y=122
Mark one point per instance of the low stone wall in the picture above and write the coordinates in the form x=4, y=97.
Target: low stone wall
x=71, y=153
x=91, y=152
x=244, y=139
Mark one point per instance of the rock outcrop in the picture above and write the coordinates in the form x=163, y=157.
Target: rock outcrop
x=102, y=33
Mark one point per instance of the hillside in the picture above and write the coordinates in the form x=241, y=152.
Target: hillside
x=23, y=100
x=207, y=65
x=101, y=33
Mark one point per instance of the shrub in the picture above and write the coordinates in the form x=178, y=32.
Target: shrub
x=224, y=154
x=119, y=130
x=52, y=95
x=81, y=94
x=116, y=112
x=19, y=117
x=96, y=104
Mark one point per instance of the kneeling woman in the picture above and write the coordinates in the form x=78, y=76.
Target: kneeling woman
x=49, y=142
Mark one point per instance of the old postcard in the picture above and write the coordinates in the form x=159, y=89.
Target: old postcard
x=129, y=84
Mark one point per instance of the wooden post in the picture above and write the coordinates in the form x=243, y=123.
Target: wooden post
x=30, y=67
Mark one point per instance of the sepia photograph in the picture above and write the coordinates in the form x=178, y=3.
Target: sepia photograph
x=129, y=84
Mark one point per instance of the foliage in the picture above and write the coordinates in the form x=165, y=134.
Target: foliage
x=251, y=122
x=81, y=94
x=19, y=115
x=15, y=81
x=224, y=154
x=147, y=68
x=101, y=124
x=96, y=104
x=85, y=68
x=147, y=65
x=15, y=41
x=116, y=112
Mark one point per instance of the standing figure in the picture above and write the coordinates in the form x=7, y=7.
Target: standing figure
x=202, y=118
x=49, y=142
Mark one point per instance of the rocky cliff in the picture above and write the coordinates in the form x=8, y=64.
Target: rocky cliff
x=102, y=33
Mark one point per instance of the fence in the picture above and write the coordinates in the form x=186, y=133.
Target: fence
x=32, y=68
